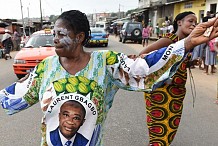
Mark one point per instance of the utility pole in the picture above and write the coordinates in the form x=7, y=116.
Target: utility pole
x=119, y=12
x=24, y=34
x=28, y=19
x=41, y=13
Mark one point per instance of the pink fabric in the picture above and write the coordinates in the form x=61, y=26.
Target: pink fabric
x=145, y=32
x=211, y=44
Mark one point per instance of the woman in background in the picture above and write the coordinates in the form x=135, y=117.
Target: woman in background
x=145, y=35
x=210, y=57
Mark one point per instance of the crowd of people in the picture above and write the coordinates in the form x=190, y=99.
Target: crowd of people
x=207, y=57
x=206, y=53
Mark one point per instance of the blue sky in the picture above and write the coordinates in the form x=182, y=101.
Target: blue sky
x=54, y=7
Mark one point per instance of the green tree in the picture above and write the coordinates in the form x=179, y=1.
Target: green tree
x=53, y=18
x=113, y=14
x=130, y=11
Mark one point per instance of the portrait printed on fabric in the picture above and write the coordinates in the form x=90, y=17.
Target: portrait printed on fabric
x=73, y=108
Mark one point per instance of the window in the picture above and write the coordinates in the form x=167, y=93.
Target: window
x=188, y=5
x=213, y=7
x=40, y=40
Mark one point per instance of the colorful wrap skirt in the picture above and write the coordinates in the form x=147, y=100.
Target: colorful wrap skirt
x=164, y=109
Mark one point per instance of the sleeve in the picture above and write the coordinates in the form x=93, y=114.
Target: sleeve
x=22, y=94
x=147, y=73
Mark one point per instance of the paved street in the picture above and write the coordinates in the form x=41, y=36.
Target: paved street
x=198, y=126
x=125, y=124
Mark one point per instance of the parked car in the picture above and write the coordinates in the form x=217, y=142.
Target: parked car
x=39, y=46
x=131, y=31
x=99, y=37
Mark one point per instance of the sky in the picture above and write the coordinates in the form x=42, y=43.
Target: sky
x=55, y=7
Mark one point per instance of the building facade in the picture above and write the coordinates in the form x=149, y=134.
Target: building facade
x=157, y=10
x=211, y=5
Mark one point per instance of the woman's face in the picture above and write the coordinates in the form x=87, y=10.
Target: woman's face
x=187, y=24
x=65, y=40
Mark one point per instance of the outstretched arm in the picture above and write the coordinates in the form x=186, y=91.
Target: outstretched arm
x=163, y=42
x=150, y=71
x=23, y=93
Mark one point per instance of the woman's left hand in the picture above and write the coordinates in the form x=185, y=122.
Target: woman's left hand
x=197, y=35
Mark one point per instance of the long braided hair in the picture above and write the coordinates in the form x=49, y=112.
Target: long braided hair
x=78, y=22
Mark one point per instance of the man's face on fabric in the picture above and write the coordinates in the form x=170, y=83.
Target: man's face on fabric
x=70, y=119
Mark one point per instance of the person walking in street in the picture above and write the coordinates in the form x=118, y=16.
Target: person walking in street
x=210, y=57
x=17, y=40
x=150, y=26
x=210, y=53
x=204, y=45
x=164, y=105
x=7, y=44
x=92, y=78
x=115, y=31
x=145, y=35
x=157, y=30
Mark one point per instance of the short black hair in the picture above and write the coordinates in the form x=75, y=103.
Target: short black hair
x=78, y=22
x=180, y=16
x=76, y=104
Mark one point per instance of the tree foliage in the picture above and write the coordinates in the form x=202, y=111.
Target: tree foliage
x=130, y=11
x=113, y=14
x=53, y=18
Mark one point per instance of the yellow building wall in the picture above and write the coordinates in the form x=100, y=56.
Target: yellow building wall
x=197, y=6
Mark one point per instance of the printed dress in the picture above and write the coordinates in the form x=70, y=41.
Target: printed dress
x=210, y=56
x=94, y=87
x=164, y=105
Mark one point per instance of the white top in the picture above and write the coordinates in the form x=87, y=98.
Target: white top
x=170, y=28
